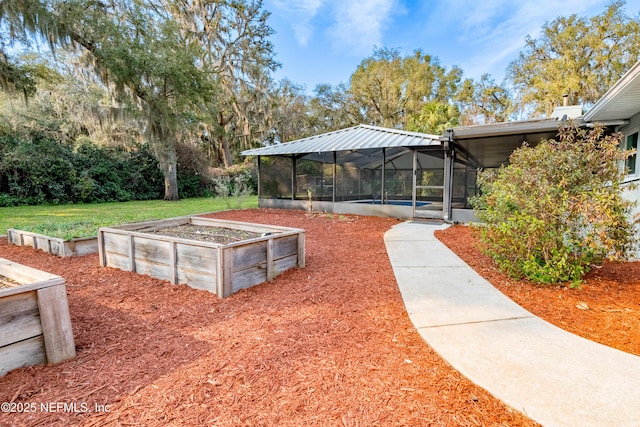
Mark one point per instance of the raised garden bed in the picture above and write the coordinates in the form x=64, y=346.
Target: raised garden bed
x=215, y=255
x=53, y=245
x=35, y=326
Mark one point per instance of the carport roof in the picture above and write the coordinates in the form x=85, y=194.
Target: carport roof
x=359, y=137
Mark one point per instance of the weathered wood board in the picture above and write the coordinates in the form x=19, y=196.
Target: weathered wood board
x=53, y=245
x=217, y=268
x=35, y=324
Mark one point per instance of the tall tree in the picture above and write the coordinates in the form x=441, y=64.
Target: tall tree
x=236, y=51
x=333, y=108
x=434, y=118
x=577, y=56
x=136, y=51
x=484, y=101
x=19, y=21
x=142, y=56
x=290, y=119
x=390, y=88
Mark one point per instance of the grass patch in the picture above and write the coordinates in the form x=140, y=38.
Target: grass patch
x=71, y=221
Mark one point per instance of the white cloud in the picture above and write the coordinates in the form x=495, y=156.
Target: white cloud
x=359, y=25
x=353, y=26
x=300, y=14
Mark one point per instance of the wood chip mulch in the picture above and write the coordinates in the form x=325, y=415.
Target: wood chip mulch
x=327, y=345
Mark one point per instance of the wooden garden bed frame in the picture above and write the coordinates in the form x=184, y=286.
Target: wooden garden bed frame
x=53, y=245
x=219, y=268
x=35, y=325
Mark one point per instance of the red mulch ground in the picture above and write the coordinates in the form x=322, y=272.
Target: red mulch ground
x=328, y=345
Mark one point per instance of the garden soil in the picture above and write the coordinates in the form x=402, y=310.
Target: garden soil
x=326, y=345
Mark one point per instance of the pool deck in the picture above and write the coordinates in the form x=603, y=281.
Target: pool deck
x=554, y=377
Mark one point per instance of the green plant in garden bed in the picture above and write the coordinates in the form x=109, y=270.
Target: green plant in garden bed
x=71, y=221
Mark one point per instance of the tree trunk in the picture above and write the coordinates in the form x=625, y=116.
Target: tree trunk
x=223, y=144
x=169, y=167
x=163, y=143
x=226, y=152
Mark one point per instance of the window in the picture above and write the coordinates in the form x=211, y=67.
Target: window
x=632, y=144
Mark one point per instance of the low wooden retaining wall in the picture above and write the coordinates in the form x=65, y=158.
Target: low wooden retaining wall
x=219, y=268
x=53, y=245
x=35, y=326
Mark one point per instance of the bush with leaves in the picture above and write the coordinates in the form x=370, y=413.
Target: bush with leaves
x=234, y=184
x=557, y=209
x=37, y=169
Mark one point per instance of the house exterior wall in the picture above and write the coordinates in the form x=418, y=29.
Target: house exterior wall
x=632, y=181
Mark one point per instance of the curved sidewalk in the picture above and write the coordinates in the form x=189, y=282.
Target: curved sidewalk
x=554, y=377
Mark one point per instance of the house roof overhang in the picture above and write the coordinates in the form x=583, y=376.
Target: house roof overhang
x=621, y=100
x=490, y=145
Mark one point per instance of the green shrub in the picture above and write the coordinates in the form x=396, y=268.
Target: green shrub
x=39, y=171
x=557, y=209
x=234, y=185
x=42, y=170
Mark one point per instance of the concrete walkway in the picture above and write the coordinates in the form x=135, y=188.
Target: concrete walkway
x=552, y=376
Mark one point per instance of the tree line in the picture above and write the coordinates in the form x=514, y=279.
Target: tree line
x=194, y=80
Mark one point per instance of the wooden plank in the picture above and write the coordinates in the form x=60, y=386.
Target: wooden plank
x=173, y=263
x=249, y=255
x=285, y=246
x=132, y=254
x=101, y=248
x=116, y=243
x=24, y=353
x=12, y=236
x=227, y=272
x=56, y=323
x=57, y=248
x=27, y=240
x=152, y=224
x=22, y=273
x=30, y=287
x=162, y=271
x=197, y=279
x=82, y=246
x=249, y=277
x=117, y=260
x=238, y=225
x=196, y=257
x=151, y=249
x=220, y=273
x=301, y=250
x=270, y=270
x=19, y=318
x=258, y=274
x=283, y=264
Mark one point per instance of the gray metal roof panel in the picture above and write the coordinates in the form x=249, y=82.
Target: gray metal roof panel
x=507, y=128
x=354, y=138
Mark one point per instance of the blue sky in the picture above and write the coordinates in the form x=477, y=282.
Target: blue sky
x=323, y=41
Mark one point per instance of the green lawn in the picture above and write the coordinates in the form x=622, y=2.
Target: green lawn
x=68, y=221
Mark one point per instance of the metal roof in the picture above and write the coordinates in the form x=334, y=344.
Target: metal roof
x=506, y=128
x=622, y=100
x=354, y=138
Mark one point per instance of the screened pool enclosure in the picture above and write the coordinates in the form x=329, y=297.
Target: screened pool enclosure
x=366, y=170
